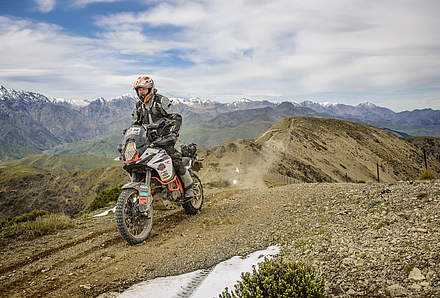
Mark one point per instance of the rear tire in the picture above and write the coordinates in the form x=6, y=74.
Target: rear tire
x=194, y=205
x=127, y=212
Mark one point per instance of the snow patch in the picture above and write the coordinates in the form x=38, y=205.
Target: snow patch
x=201, y=283
x=105, y=213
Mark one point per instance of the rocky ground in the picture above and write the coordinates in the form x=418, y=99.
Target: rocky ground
x=366, y=239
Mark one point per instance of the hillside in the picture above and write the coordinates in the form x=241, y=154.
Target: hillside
x=301, y=149
x=316, y=150
x=65, y=183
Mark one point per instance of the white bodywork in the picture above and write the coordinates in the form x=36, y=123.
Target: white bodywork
x=161, y=162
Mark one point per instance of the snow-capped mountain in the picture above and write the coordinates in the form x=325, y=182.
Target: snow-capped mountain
x=246, y=103
x=26, y=96
x=32, y=122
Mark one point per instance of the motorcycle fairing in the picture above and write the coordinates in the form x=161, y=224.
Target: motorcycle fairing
x=160, y=161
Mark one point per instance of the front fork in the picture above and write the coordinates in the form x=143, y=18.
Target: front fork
x=145, y=198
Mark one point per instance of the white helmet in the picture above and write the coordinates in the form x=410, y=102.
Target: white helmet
x=145, y=82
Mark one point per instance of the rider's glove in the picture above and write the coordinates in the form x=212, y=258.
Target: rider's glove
x=153, y=135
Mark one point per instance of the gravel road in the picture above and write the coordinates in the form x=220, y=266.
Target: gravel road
x=366, y=239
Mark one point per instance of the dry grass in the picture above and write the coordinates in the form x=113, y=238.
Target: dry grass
x=427, y=174
x=43, y=225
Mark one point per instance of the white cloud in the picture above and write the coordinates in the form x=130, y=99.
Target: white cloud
x=297, y=48
x=42, y=57
x=83, y=3
x=342, y=50
x=45, y=5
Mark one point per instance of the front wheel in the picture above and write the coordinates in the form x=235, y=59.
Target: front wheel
x=194, y=205
x=133, y=225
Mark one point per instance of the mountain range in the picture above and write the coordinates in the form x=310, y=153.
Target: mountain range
x=31, y=122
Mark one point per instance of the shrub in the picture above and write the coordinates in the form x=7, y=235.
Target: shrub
x=278, y=278
x=42, y=225
x=45, y=225
x=426, y=174
x=103, y=198
x=29, y=216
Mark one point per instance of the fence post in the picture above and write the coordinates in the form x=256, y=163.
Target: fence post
x=377, y=170
x=424, y=158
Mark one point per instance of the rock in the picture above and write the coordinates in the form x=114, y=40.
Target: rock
x=416, y=287
x=351, y=292
x=424, y=284
x=396, y=290
x=420, y=230
x=109, y=295
x=347, y=261
x=416, y=274
x=86, y=287
x=430, y=275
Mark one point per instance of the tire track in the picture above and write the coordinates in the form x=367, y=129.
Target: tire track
x=51, y=251
x=28, y=276
x=193, y=285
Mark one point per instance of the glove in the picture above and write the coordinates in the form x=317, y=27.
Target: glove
x=152, y=135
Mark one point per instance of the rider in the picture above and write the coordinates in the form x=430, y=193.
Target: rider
x=152, y=107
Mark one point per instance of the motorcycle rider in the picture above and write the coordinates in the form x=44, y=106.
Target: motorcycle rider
x=153, y=107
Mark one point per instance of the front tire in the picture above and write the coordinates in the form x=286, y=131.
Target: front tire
x=194, y=205
x=134, y=226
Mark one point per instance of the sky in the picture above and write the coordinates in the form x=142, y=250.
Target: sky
x=348, y=51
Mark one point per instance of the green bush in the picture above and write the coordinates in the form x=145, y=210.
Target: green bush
x=103, y=198
x=426, y=174
x=29, y=216
x=278, y=278
x=45, y=225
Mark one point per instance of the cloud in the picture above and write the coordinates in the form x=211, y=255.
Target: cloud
x=84, y=3
x=44, y=58
x=45, y=5
x=342, y=50
x=295, y=48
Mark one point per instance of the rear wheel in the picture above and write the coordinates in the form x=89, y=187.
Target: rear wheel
x=133, y=225
x=194, y=205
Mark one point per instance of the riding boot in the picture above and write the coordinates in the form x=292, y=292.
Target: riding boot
x=188, y=184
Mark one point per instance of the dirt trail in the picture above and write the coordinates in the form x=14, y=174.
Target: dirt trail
x=364, y=237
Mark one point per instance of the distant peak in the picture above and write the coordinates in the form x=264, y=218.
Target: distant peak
x=329, y=104
x=99, y=100
x=367, y=104
x=198, y=101
x=28, y=96
x=243, y=100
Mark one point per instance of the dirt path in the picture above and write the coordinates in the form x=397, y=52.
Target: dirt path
x=364, y=237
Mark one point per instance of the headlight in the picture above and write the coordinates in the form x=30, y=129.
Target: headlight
x=130, y=151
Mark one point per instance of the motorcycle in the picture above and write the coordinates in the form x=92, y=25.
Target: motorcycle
x=152, y=178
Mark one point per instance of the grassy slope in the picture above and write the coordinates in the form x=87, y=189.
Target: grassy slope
x=55, y=183
x=65, y=162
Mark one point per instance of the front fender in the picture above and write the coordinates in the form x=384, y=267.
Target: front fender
x=135, y=185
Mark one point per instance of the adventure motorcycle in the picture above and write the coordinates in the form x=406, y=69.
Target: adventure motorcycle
x=152, y=178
